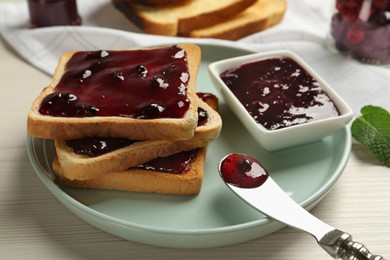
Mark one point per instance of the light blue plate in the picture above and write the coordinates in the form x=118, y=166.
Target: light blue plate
x=215, y=217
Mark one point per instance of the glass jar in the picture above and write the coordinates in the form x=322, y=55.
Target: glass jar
x=53, y=12
x=361, y=29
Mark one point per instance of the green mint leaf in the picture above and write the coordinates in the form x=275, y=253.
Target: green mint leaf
x=372, y=129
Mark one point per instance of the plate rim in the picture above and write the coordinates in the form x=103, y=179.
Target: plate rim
x=308, y=203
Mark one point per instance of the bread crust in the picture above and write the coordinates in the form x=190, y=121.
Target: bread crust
x=42, y=126
x=75, y=166
x=138, y=180
x=258, y=17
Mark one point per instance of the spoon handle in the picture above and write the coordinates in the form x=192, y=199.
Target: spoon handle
x=340, y=246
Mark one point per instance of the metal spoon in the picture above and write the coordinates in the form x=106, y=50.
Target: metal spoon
x=245, y=176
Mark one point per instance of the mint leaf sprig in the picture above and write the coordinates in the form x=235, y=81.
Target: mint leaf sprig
x=372, y=129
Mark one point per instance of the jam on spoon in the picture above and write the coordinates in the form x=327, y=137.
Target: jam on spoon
x=242, y=171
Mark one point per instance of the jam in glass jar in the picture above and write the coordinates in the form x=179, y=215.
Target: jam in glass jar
x=45, y=13
x=361, y=29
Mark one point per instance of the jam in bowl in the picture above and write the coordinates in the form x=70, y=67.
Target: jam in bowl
x=279, y=99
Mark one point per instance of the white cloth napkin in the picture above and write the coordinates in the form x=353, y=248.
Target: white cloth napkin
x=303, y=31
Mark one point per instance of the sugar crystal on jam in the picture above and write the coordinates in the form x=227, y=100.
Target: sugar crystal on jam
x=202, y=116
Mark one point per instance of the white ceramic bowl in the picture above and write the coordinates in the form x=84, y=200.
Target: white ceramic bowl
x=272, y=140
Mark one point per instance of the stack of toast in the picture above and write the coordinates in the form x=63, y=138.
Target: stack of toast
x=128, y=120
x=227, y=19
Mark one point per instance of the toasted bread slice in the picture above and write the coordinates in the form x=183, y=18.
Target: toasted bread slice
x=124, y=126
x=258, y=17
x=142, y=180
x=81, y=166
x=172, y=20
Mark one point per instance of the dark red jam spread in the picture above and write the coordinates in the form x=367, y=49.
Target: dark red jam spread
x=242, y=171
x=202, y=116
x=96, y=146
x=211, y=100
x=53, y=12
x=278, y=92
x=144, y=84
x=178, y=163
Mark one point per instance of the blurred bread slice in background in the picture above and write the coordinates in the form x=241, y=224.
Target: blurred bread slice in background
x=156, y=2
x=179, y=19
